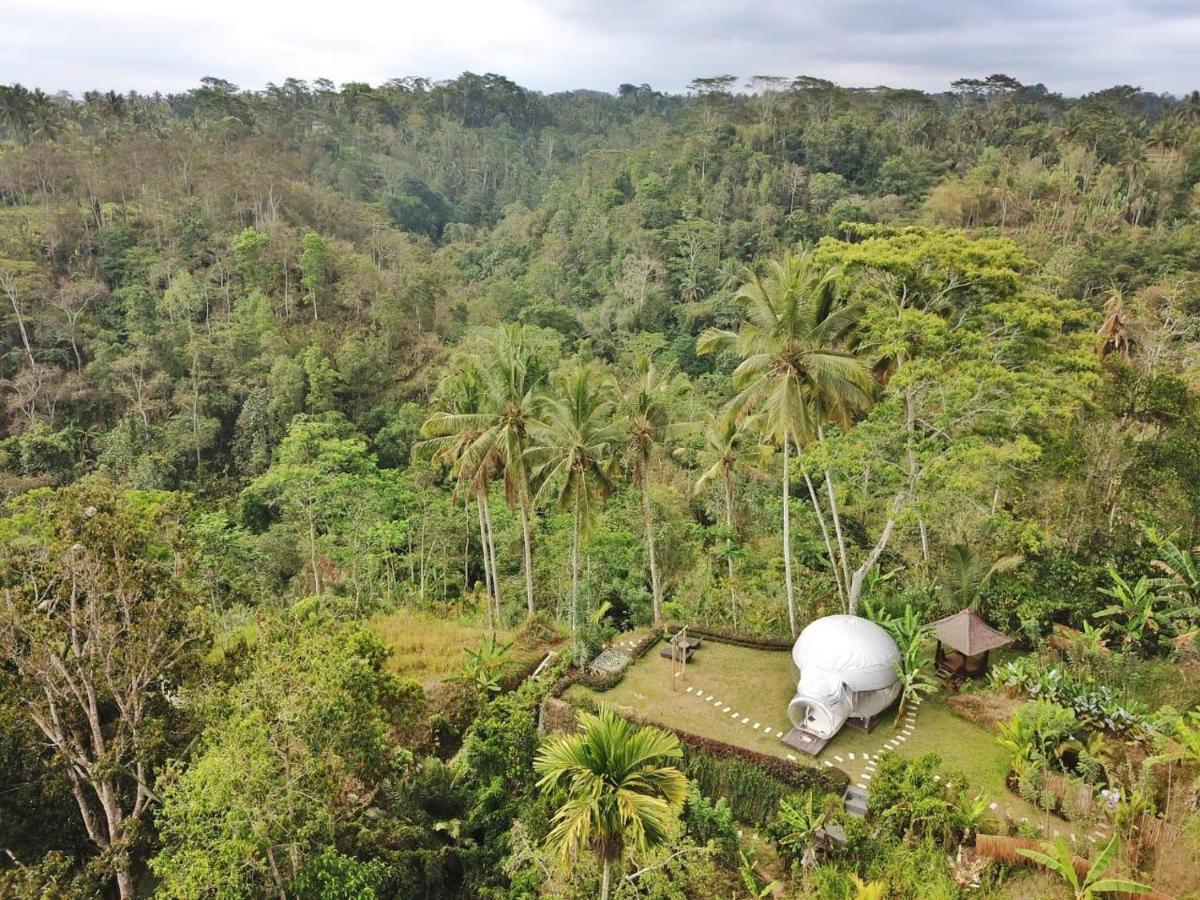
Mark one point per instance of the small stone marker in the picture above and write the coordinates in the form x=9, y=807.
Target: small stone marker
x=993, y=807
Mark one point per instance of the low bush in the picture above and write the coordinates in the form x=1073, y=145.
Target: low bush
x=752, y=783
x=1097, y=705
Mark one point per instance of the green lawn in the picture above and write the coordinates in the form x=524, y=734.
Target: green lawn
x=758, y=684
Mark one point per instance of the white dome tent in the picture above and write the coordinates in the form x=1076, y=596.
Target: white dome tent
x=847, y=674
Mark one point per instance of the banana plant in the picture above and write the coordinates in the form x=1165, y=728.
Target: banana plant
x=1059, y=858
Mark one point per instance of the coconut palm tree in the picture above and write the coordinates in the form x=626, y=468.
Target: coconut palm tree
x=646, y=413
x=622, y=785
x=513, y=378
x=1060, y=859
x=452, y=432
x=572, y=455
x=794, y=370
x=721, y=453
x=968, y=573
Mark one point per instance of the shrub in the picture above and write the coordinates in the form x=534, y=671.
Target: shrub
x=752, y=783
x=708, y=821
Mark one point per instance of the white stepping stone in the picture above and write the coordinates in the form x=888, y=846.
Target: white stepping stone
x=861, y=786
x=792, y=758
x=993, y=807
x=838, y=758
x=725, y=710
x=779, y=734
x=828, y=764
x=890, y=745
x=689, y=690
x=937, y=777
x=708, y=699
x=1074, y=839
x=756, y=724
x=902, y=738
x=851, y=755
x=745, y=720
x=866, y=777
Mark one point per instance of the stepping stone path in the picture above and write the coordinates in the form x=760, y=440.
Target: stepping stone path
x=869, y=760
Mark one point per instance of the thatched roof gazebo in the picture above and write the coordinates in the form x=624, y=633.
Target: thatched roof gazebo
x=970, y=639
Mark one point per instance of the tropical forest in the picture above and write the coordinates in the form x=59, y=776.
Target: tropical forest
x=417, y=489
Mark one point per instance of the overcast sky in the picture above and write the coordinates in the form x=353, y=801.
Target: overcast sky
x=1072, y=46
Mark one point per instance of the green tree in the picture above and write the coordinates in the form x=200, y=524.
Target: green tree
x=319, y=463
x=573, y=453
x=968, y=573
x=453, y=434
x=512, y=377
x=647, y=412
x=315, y=261
x=100, y=621
x=722, y=452
x=289, y=769
x=794, y=372
x=622, y=787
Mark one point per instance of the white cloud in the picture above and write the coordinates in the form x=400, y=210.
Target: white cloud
x=1072, y=46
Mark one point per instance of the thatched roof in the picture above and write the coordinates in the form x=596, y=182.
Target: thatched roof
x=967, y=633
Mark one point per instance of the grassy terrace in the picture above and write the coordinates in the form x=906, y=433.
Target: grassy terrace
x=757, y=684
x=430, y=648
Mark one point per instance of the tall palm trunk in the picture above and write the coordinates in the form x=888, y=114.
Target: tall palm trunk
x=604, y=879
x=575, y=568
x=490, y=548
x=836, y=516
x=648, y=520
x=729, y=543
x=312, y=554
x=527, y=538
x=487, y=563
x=833, y=562
x=787, y=538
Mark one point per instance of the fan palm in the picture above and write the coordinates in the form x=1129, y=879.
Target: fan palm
x=1059, y=858
x=572, y=455
x=646, y=413
x=794, y=372
x=968, y=573
x=622, y=785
